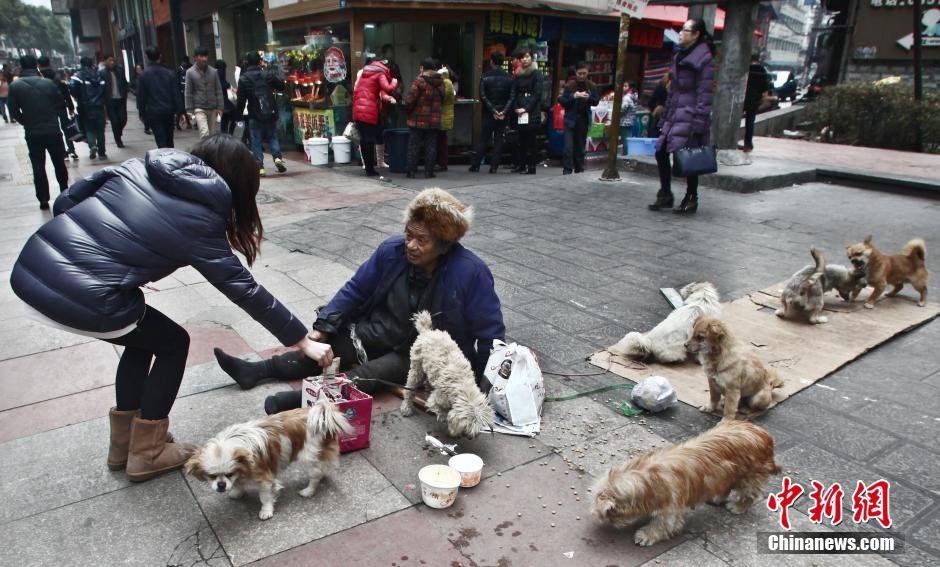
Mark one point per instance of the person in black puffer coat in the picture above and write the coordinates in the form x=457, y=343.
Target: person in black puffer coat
x=136, y=223
x=498, y=96
x=528, y=104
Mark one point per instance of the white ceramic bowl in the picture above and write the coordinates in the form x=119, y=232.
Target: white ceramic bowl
x=439, y=484
x=470, y=468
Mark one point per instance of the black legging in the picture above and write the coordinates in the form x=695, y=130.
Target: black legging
x=528, y=151
x=138, y=385
x=665, y=176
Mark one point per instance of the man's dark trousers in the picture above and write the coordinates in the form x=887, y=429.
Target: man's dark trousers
x=117, y=116
x=38, y=146
x=93, y=120
x=749, y=117
x=575, y=139
x=162, y=127
x=491, y=128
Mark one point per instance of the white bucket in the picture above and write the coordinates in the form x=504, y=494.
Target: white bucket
x=439, y=484
x=317, y=150
x=470, y=468
x=342, y=147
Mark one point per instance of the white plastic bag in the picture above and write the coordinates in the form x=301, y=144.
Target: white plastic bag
x=517, y=389
x=654, y=394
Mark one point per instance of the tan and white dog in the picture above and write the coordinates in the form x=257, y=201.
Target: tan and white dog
x=910, y=266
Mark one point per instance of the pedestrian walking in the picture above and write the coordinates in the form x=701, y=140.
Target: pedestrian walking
x=758, y=85
x=497, y=95
x=138, y=71
x=528, y=108
x=577, y=98
x=65, y=116
x=687, y=118
x=203, y=94
x=173, y=209
x=181, y=84
x=657, y=106
x=423, y=105
x=627, y=113
x=5, y=79
x=228, y=115
x=115, y=84
x=256, y=88
x=371, y=92
x=447, y=115
x=158, y=98
x=36, y=103
x=88, y=88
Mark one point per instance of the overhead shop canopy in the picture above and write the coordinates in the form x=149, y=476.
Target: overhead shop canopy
x=584, y=7
x=678, y=15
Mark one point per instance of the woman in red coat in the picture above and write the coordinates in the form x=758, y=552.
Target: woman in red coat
x=374, y=86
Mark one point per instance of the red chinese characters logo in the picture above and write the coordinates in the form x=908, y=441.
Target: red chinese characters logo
x=869, y=502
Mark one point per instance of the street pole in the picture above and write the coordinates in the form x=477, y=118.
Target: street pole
x=728, y=105
x=610, y=172
x=918, y=75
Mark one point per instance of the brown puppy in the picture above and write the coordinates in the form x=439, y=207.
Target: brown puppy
x=907, y=267
x=729, y=463
x=736, y=375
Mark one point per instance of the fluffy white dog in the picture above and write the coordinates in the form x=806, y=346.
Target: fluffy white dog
x=438, y=361
x=666, y=341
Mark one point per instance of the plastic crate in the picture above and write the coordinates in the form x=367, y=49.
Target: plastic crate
x=641, y=146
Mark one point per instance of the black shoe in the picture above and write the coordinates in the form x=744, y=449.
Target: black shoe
x=687, y=206
x=530, y=170
x=429, y=174
x=410, y=175
x=579, y=170
x=372, y=173
x=283, y=401
x=518, y=169
x=493, y=168
x=44, y=206
x=92, y=154
x=119, y=144
x=102, y=156
x=661, y=203
x=566, y=171
x=148, y=132
x=474, y=168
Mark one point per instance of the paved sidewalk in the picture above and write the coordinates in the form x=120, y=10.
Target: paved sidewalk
x=577, y=263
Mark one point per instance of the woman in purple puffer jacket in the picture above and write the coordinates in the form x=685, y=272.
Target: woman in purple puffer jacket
x=687, y=120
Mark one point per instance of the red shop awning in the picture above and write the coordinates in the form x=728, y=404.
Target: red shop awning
x=675, y=16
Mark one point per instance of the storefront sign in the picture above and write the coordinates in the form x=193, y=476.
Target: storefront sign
x=632, y=8
x=901, y=3
x=309, y=123
x=931, y=31
x=510, y=23
x=883, y=31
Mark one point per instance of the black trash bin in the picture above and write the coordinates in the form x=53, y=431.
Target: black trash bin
x=396, y=149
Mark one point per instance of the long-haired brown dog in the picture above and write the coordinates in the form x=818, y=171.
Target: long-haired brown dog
x=736, y=375
x=729, y=463
x=910, y=266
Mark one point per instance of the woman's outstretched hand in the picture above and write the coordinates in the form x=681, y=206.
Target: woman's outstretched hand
x=320, y=352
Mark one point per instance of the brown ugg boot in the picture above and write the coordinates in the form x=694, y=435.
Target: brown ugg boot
x=120, y=437
x=150, y=454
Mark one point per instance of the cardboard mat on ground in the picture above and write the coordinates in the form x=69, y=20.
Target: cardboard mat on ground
x=800, y=352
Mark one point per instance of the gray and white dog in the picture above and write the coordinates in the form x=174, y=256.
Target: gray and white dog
x=804, y=293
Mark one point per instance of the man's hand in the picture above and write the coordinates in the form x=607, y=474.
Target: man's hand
x=322, y=353
x=318, y=336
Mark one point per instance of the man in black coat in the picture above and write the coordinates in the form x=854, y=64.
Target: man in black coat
x=46, y=70
x=158, y=98
x=87, y=87
x=497, y=94
x=758, y=83
x=35, y=102
x=115, y=84
x=256, y=87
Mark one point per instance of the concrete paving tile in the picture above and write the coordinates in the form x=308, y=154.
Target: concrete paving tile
x=204, y=338
x=397, y=449
x=805, y=462
x=553, y=343
x=355, y=494
x=517, y=274
x=597, y=455
x=255, y=336
x=153, y=523
x=502, y=521
x=573, y=294
x=914, y=423
x=927, y=534
x=24, y=336
x=325, y=279
x=207, y=376
x=51, y=414
x=692, y=552
x=514, y=319
x=52, y=374
x=403, y=538
x=570, y=422
x=916, y=465
x=514, y=296
x=563, y=315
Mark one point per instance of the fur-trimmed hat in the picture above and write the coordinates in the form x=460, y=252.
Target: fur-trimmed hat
x=442, y=214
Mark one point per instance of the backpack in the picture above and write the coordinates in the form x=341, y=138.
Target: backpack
x=267, y=106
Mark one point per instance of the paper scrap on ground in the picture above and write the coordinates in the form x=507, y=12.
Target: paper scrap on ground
x=503, y=426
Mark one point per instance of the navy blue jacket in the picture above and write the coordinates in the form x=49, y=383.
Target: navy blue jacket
x=464, y=302
x=158, y=92
x=87, y=87
x=575, y=105
x=136, y=223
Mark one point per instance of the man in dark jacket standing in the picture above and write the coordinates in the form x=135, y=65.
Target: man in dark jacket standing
x=497, y=95
x=115, y=86
x=577, y=98
x=256, y=88
x=35, y=102
x=158, y=99
x=46, y=70
x=758, y=83
x=424, y=105
x=88, y=89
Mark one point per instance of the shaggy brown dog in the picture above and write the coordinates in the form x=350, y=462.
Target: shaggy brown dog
x=736, y=375
x=907, y=267
x=729, y=463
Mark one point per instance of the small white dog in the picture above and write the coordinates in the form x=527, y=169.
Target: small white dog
x=438, y=361
x=248, y=455
x=666, y=341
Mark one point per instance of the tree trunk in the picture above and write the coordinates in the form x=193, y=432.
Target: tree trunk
x=728, y=103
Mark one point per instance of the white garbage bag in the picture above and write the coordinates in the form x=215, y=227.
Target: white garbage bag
x=654, y=394
x=517, y=389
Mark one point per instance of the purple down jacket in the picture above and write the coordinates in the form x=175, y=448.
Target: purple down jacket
x=689, y=106
x=136, y=223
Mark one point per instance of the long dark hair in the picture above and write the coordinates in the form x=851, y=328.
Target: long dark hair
x=233, y=161
x=698, y=25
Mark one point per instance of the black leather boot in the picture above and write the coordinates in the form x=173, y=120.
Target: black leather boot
x=688, y=205
x=283, y=401
x=664, y=200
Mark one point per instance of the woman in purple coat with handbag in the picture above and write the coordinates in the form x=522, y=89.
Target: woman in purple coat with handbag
x=687, y=120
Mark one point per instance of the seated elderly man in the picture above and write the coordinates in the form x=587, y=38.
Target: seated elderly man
x=368, y=323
